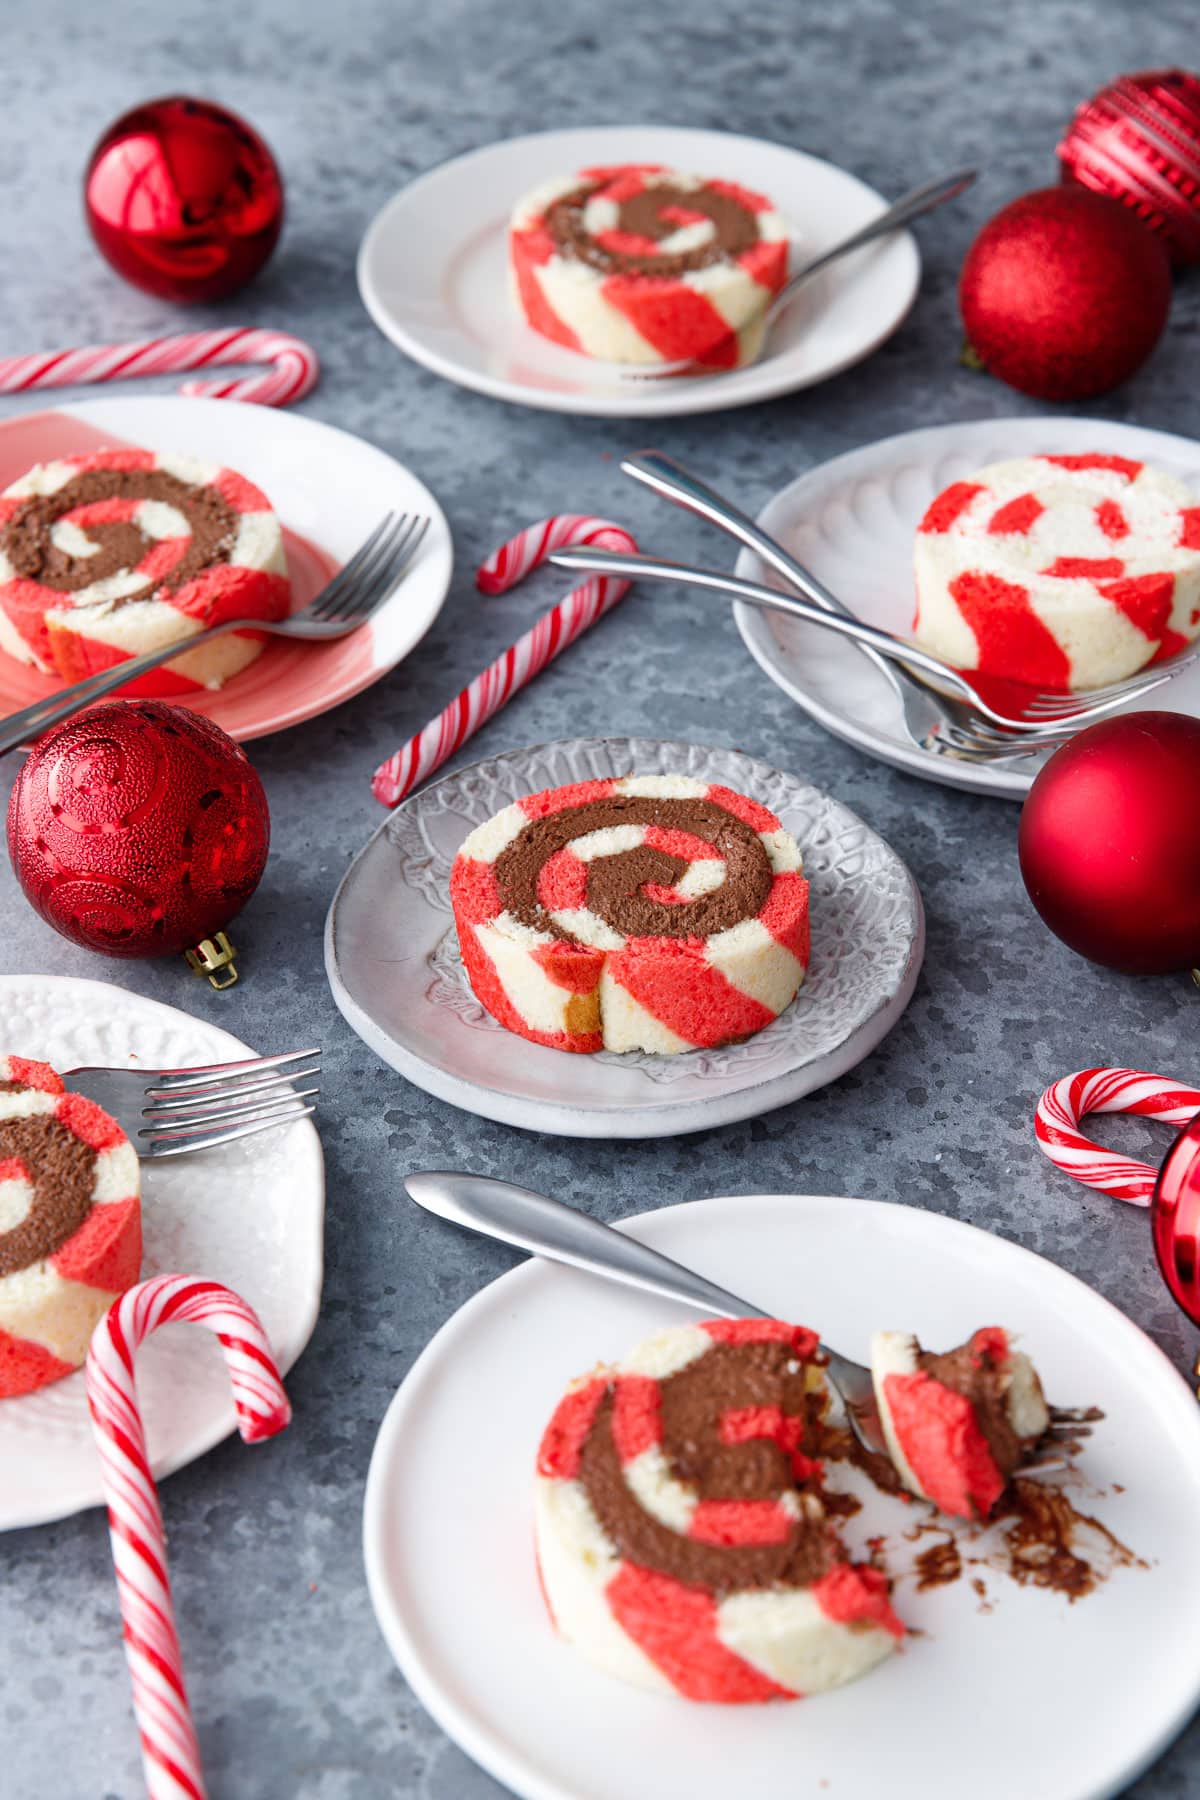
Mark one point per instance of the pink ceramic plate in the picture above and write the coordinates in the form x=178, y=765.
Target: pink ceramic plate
x=329, y=490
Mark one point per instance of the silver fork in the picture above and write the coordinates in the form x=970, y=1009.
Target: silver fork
x=910, y=206
x=359, y=589
x=548, y=1228
x=932, y=721
x=1039, y=713
x=170, y=1112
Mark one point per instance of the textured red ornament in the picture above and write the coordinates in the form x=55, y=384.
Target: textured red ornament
x=184, y=199
x=1110, y=843
x=138, y=828
x=1064, y=294
x=1139, y=141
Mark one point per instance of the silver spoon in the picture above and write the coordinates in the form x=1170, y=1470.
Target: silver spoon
x=909, y=207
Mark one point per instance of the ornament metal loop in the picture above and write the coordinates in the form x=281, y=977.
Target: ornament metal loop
x=214, y=956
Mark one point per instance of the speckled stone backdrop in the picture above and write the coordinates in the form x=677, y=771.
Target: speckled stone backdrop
x=295, y=1691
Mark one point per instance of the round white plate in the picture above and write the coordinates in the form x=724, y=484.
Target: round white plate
x=1036, y=1697
x=433, y=272
x=392, y=957
x=249, y=1214
x=329, y=490
x=852, y=521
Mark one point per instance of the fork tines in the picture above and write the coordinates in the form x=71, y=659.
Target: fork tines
x=192, y=1109
x=372, y=571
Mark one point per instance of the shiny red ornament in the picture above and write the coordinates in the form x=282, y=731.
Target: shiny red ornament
x=1138, y=140
x=184, y=199
x=1175, y=1220
x=138, y=828
x=1064, y=294
x=1110, y=843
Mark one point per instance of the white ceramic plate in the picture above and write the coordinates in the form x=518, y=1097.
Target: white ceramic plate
x=392, y=957
x=852, y=522
x=1037, y=1697
x=249, y=1214
x=328, y=488
x=433, y=272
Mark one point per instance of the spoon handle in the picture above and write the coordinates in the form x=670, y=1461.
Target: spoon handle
x=530, y=1221
x=909, y=207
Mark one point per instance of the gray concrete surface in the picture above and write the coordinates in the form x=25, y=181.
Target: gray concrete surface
x=294, y=1689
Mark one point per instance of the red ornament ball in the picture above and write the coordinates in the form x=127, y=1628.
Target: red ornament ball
x=1064, y=294
x=138, y=828
x=1110, y=843
x=1139, y=141
x=184, y=199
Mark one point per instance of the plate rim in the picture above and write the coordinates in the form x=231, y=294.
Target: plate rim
x=655, y=1118
x=292, y=716
x=753, y=629
x=306, y=1315
x=679, y=402
x=475, y=1739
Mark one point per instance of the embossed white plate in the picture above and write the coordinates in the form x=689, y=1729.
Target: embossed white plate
x=249, y=1214
x=449, y=306
x=852, y=522
x=392, y=957
x=1036, y=1699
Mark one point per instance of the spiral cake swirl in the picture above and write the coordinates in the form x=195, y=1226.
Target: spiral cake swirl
x=638, y=263
x=1062, y=572
x=105, y=556
x=648, y=913
x=682, y=1536
x=70, y=1223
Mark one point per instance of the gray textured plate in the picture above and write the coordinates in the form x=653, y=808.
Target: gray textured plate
x=392, y=957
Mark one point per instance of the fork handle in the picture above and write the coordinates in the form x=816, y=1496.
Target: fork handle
x=548, y=1228
x=910, y=206
x=663, y=475
x=639, y=568
x=20, y=727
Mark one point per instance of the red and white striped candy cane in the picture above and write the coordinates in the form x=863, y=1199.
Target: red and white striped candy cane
x=1062, y=1106
x=482, y=698
x=170, y=1752
x=293, y=374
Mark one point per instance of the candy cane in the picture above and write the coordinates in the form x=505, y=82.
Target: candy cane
x=482, y=698
x=170, y=1752
x=1069, y=1100
x=294, y=373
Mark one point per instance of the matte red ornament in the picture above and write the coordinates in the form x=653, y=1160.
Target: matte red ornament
x=184, y=199
x=138, y=829
x=1110, y=843
x=1064, y=293
x=1139, y=141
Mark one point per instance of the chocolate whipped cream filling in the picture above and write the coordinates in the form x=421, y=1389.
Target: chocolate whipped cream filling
x=615, y=883
x=26, y=541
x=984, y=1383
x=61, y=1170
x=735, y=229
x=728, y=1377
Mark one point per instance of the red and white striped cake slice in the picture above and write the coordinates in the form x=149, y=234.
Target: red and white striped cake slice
x=934, y=1434
x=605, y=988
x=1059, y=571
x=50, y=1306
x=81, y=631
x=713, y=313
x=649, y=1628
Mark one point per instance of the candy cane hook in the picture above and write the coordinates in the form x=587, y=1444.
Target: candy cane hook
x=1070, y=1099
x=170, y=1752
x=293, y=374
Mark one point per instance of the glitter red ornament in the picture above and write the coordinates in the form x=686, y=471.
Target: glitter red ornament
x=1064, y=294
x=138, y=828
x=1138, y=140
x=1110, y=843
x=184, y=199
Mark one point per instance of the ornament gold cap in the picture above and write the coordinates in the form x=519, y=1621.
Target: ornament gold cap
x=214, y=957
